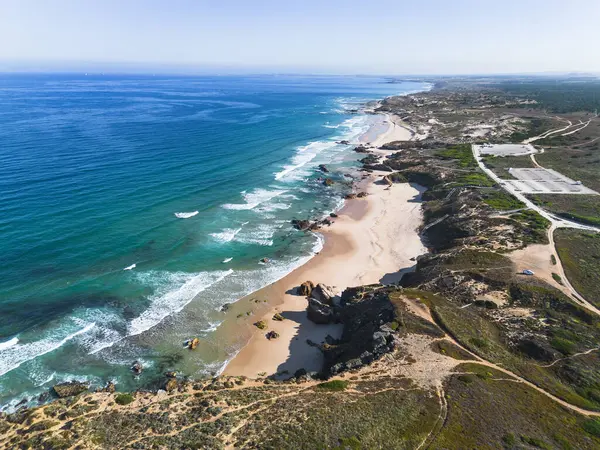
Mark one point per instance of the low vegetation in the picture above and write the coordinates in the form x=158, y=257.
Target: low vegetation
x=579, y=253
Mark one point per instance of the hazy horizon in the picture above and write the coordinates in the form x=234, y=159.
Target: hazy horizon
x=391, y=38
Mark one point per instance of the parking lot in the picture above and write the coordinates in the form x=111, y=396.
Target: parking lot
x=506, y=149
x=545, y=181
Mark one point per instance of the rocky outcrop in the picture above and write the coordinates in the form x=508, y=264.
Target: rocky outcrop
x=361, y=149
x=365, y=313
x=395, y=177
x=306, y=288
x=323, y=293
x=70, y=388
x=301, y=224
x=323, y=168
x=110, y=387
x=328, y=182
x=319, y=313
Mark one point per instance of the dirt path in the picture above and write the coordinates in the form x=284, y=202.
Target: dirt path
x=479, y=360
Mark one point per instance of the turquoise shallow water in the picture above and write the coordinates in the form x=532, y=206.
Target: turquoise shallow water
x=121, y=197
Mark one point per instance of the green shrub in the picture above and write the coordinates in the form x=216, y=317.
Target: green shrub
x=557, y=278
x=592, y=426
x=509, y=439
x=334, y=385
x=535, y=442
x=124, y=399
x=467, y=378
x=479, y=342
x=553, y=259
x=562, y=345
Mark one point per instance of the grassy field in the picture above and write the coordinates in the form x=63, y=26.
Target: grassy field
x=579, y=252
x=579, y=208
x=501, y=201
x=479, y=405
x=462, y=153
x=570, y=330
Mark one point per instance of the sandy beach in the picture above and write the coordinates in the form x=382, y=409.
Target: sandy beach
x=394, y=130
x=373, y=240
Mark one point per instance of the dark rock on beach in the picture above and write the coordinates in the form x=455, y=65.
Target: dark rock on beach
x=272, y=335
x=318, y=312
x=323, y=293
x=306, y=288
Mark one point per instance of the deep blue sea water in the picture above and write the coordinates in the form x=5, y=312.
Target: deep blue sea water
x=122, y=196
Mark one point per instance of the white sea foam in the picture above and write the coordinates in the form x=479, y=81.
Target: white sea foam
x=226, y=260
x=105, y=334
x=261, y=235
x=130, y=267
x=185, y=215
x=177, y=291
x=9, y=343
x=212, y=326
x=304, y=155
x=270, y=207
x=226, y=235
x=255, y=198
x=12, y=357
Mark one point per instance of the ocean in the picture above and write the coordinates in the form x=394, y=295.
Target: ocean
x=132, y=208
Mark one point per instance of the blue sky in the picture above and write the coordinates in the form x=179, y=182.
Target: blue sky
x=330, y=36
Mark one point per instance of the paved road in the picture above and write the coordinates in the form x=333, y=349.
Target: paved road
x=557, y=221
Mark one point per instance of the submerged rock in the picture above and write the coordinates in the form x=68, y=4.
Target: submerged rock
x=137, y=368
x=70, y=388
x=192, y=343
x=323, y=168
x=328, y=182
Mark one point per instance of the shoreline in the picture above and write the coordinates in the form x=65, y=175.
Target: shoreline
x=373, y=240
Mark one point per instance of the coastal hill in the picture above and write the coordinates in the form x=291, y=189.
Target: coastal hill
x=491, y=341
